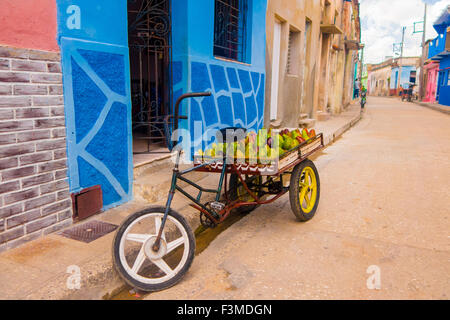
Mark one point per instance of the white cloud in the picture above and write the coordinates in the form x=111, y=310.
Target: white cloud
x=382, y=22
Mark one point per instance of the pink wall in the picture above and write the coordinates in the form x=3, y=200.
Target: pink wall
x=28, y=24
x=431, y=71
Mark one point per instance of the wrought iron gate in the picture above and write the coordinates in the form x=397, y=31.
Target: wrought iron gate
x=149, y=35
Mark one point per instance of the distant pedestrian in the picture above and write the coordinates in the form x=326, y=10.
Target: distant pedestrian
x=357, y=87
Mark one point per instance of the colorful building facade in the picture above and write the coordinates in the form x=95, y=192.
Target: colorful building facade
x=99, y=72
x=82, y=82
x=439, y=50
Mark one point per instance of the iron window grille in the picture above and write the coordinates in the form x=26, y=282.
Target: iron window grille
x=230, y=25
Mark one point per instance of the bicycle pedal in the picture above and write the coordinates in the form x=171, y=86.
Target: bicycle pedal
x=217, y=206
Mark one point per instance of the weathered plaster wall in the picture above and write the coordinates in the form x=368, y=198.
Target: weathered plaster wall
x=297, y=90
x=28, y=24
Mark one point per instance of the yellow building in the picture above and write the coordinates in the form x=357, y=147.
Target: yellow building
x=312, y=48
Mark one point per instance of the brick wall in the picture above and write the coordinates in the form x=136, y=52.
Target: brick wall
x=34, y=190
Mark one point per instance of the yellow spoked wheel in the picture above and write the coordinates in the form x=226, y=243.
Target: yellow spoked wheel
x=237, y=191
x=304, y=191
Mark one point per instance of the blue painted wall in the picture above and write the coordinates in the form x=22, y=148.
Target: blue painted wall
x=404, y=79
x=95, y=57
x=237, y=88
x=443, y=81
x=94, y=48
x=437, y=45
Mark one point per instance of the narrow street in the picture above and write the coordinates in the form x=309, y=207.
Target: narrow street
x=384, y=206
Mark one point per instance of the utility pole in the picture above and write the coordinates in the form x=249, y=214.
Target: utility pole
x=399, y=84
x=422, y=60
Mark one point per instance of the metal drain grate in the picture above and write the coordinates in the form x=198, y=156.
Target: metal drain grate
x=89, y=231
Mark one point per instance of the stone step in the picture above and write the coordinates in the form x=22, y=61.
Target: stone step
x=323, y=116
x=303, y=116
x=307, y=123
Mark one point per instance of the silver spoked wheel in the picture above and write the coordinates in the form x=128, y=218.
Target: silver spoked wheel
x=135, y=258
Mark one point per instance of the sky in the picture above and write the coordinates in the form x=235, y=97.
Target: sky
x=382, y=22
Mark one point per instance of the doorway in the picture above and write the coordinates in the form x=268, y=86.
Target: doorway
x=149, y=40
x=275, y=70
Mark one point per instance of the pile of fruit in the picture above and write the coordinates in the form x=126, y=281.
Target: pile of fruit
x=262, y=145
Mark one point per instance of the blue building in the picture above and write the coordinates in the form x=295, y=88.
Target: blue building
x=126, y=62
x=408, y=76
x=439, y=50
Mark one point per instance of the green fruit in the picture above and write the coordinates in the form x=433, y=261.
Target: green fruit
x=305, y=135
x=288, y=141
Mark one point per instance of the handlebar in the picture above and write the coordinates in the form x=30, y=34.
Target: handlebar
x=177, y=105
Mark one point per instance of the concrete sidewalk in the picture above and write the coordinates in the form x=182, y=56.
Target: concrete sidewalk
x=434, y=106
x=44, y=268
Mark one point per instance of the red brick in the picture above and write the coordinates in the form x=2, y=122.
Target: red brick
x=57, y=111
x=67, y=214
x=51, y=144
x=59, y=154
x=44, y=55
x=23, y=218
x=41, y=223
x=61, y=195
x=14, y=102
x=11, y=234
x=11, y=210
x=21, y=195
x=40, y=179
x=49, y=123
x=61, y=174
x=8, y=126
x=54, y=67
x=5, y=89
x=2, y=225
x=7, y=138
x=58, y=133
x=18, y=173
x=48, y=101
x=33, y=135
x=6, y=114
x=56, y=227
x=26, y=65
x=15, y=150
x=50, y=166
x=36, y=158
x=55, y=90
x=30, y=89
x=26, y=113
x=8, y=163
x=14, y=77
x=11, y=52
x=54, y=186
x=9, y=186
x=46, y=78
x=39, y=202
x=4, y=64
x=56, y=207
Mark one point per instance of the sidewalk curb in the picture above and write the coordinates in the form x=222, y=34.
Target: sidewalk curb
x=102, y=280
x=435, y=108
x=332, y=137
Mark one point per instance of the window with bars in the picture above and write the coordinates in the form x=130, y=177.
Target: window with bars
x=230, y=29
x=292, y=63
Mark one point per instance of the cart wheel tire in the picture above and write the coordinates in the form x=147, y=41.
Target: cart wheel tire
x=304, y=190
x=170, y=276
x=234, y=187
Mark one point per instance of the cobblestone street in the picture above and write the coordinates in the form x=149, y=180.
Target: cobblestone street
x=383, y=214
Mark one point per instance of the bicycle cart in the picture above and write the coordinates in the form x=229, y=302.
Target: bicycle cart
x=154, y=248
